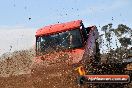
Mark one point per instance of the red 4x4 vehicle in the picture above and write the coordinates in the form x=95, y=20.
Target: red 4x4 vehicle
x=56, y=42
x=71, y=37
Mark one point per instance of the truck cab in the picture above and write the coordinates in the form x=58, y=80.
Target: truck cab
x=71, y=37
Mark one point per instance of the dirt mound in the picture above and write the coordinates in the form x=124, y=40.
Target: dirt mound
x=53, y=76
x=16, y=63
x=17, y=71
x=58, y=73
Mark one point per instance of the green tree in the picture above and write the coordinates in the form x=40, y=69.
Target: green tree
x=118, y=32
x=108, y=34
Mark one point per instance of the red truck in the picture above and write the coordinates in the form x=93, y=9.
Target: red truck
x=80, y=43
x=71, y=37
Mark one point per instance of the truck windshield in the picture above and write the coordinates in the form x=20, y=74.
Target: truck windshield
x=63, y=40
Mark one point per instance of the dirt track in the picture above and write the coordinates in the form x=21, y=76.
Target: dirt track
x=53, y=76
x=49, y=77
x=15, y=72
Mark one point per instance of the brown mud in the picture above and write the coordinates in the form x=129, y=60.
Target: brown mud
x=17, y=71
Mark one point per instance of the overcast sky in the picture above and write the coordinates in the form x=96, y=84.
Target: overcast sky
x=17, y=31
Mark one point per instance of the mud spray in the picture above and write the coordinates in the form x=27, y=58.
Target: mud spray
x=17, y=70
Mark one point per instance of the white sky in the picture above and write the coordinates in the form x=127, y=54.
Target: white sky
x=16, y=37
